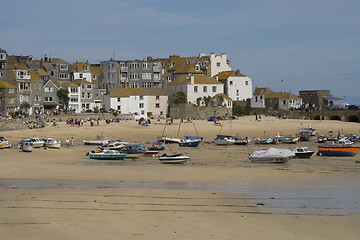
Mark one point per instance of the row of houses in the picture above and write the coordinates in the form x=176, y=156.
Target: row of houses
x=140, y=87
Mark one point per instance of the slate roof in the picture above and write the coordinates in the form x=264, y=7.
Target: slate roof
x=198, y=79
x=4, y=84
x=126, y=92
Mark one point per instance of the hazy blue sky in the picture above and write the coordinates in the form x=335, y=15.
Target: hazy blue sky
x=309, y=44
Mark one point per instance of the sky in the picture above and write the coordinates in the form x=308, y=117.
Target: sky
x=287, y=45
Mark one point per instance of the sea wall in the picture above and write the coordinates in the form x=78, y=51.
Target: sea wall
x=190, y=111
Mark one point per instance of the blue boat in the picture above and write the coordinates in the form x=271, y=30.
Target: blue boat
x=189, y=143
x=337, y=151
x=194, y=137
x=157, y=146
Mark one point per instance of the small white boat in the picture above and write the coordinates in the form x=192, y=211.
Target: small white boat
x=224, y=140
x=272, y=155
x=107, y=154
x=52, y=143
x=115, y=145
x=134, y=152
x=36, y=142
x=241, y=140
x=344, y=141
x=100, y=140
x=6, y=143
x=173, y=159
x=303, y=152
x=169, y=139
x=26, y=146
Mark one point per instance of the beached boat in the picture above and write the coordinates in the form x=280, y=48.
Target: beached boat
x=224, y=140
x=156, y=146
x=35, y=141
x=114, y=145
x=287, y=139
x=272, y=155
x=194, y=137
x=304, y=137
x=169, y=139
x=173, y=159
x=344, y=141
x=321, y=139
x=241, y=140
x=263, y=140
x=26, y=146
x=107, y=154
x=100, y=140
x=189, y=142
x=303, y=152
x=133, y=152
x=52, y=143
x=151, y=152
x=2, y=145
x=309, y=130
x=337, y=150
x=6, y=143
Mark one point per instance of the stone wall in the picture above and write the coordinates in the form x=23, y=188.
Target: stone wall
x=190, y=111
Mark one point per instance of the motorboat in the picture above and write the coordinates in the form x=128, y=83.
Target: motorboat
x=194, y=137
x=241, y=140
x=344, y=141
x=173, y=159
x=337, y=150
x=100, y=140
x=303, y=152
x=114, y=145
x=52, y=143
x=304, y=136
x=287, y=139
x=107, y=154
x=26, y=146
x=6, y=143
x=309, y=130
x=224, y=140
x=321, y=139
x=156, y=146
x=189, y=142
x=35, y=141
x=272, y=155
x=169, y=139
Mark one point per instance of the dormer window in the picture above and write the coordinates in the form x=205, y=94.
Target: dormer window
x=197, y=68
x=171, y=64
x=63, y=67
x=86, y=68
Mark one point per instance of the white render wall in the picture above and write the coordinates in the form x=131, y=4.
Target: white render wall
x=239, y=91
x=260, y=103
x=290, y=103
x=222, y=59
x=192, y=95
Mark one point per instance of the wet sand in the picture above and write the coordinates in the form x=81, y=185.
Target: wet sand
x=218, y=194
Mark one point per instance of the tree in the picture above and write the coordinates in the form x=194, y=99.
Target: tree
x=177, y=98
x=63, y=95
x=207, y=100
x=219, y=99
x=198, y=101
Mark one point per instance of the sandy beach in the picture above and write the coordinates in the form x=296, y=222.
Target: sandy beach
x=218, y=194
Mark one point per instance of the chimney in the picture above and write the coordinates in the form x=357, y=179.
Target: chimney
x=107, y=88
x=192, y=80
x=125, y=85
x=237, y=73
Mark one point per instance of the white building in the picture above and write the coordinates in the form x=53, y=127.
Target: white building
x=236, y=85
x=196, y=87
x=218, y=64
x=258, y=98
x=142, y=102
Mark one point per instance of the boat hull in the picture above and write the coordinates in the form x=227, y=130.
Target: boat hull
x=191, y=143
x=338, y=151
x=107, y=157
x=270, y=160
x=174, y=159
x=304, y=155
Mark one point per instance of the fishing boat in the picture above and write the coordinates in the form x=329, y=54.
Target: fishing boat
x=241, y=140
x=106, y=154
x=100, y=140
x=26, y=146
x=189, y=142
x=263, y=140
x=272, y=155
x=156, y=146
x=321, y=139
x=224, y=140
x=309, y=130
x=169, y=139
x=114, y=145
x=287, y=139
x=6, y=143
x=173, y=159
x=52, y=143
x=303, y=152
x=304, y=137
x=337, y=151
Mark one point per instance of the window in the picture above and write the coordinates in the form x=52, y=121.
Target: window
x=2, y=56
x=195, y=88
x=284, y=102
x=218, y=64
x=89, y=86
x=48, y=99
x=86, y=68
x=82, y=86
x=197, y=68
x=89, y=95
x=256, y=98
x=24, y=86
x=146, y=75
x=80, y=75
x=124, y=74
x=134, y=85
x=155, y=64
x=119, y=99
x=63, y=76
x=231, y=83
x=157, y=105
x=214, y=88
x=157, y=97
x=11, y=90
x=11, y=100
x=237, y=92
x=246, y=83
x=74, y=89
x=134, y=65
x=141, y=97
x=48, y=89
x=74, y=99
x=82, y=95
x=204, y=88
x=146, y=65
x=161, y=113
x=141, y=105
x=156, y=76
x=63, y=67
x=134, y=75
x=37, y=98
x=147, y=85
x=142, y=112
x=118, y=108
x=1, y=73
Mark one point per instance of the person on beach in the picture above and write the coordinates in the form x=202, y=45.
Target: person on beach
x=72, y=141
x=67, y=142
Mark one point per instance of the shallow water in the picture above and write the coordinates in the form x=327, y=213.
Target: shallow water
x=336, y=198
